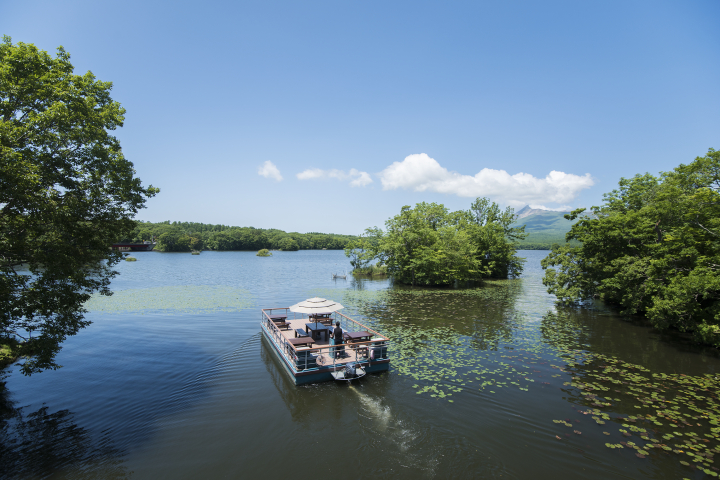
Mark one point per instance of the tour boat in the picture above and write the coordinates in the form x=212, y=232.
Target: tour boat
x=303, y=343
x=134, y=247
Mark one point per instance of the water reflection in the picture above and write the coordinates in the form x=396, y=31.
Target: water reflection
x=598, y=328
x=44, y=445
x=643, y=409
x=295, y=399
x=477, y=378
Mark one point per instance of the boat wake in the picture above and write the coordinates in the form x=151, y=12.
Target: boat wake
x=379, y=412
x=384, y=427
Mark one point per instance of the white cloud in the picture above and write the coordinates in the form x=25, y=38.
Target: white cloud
x=421, y=173
x=563, y=208
x=269, y=170
x=356, y=177
x=361, y=178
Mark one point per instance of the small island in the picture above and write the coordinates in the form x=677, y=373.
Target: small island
x=371, y=271
x=264, y=253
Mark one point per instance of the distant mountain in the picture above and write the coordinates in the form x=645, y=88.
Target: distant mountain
x=544, y=226
x=526, y=211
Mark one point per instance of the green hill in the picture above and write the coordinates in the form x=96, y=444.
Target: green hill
x=544, y=226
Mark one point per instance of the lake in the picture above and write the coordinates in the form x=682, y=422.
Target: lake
x=173, y=380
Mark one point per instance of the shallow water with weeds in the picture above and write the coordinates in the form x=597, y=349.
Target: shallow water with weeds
x=173, y=380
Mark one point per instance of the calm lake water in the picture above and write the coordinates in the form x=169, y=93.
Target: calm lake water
x=173, y=380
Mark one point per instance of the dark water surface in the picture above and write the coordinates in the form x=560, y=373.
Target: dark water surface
x=195, y=392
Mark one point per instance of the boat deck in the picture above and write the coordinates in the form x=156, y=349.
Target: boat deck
x=352, y=352
x=304, y=346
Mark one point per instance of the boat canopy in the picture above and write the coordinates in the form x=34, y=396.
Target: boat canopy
x=316, y=305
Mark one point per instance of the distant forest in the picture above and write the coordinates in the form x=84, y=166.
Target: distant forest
x=187, y=236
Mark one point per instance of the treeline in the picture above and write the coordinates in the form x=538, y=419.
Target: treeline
x=652, y=248
x=536, y=241
x=187, y=236
x=535, y=246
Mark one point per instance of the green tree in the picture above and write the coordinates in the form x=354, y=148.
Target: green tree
x=427, y=245
x=361, y=251
x=495, y=238
x=652, y=248
x=66, y=193
x=196, y=243
x=288, y=244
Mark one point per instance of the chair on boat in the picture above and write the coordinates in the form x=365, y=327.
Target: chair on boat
x=323, y=318
x=305, y=359
x=378, y=350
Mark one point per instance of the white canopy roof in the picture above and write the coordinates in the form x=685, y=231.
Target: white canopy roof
x=316, y=305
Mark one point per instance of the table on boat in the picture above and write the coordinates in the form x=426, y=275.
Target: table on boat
x=357, y=336
x=316, y=329
x=352, y=337
x=297, y=342
x=276, y=318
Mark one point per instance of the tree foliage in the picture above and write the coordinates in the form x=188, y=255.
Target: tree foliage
x=652, y=248
x=222, y=237
x=66, y=193
x=428, y=245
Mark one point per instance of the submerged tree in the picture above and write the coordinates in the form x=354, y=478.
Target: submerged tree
x=66, y=194
x=652, y=248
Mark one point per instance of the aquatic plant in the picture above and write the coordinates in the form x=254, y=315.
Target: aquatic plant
x=372, y=270
x=264, y=253
x=447, y=342
x=173, y=300
x=130, y=259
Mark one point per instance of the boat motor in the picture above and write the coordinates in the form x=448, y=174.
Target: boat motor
x=349, y=370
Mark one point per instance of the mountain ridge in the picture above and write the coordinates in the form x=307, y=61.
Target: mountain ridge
x=545, y=227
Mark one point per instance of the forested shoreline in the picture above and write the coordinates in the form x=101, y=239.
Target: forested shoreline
x=187, y=236
x=652, y=248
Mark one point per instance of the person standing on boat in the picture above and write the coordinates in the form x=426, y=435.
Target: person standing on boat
x=338, y=340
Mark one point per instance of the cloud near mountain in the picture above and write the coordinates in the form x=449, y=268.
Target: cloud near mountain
x=421, y=173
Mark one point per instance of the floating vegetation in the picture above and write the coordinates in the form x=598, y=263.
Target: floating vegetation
x=430, y=341
x=448, y=342
x=130, y=259
x=173, y=300
x=371, y=271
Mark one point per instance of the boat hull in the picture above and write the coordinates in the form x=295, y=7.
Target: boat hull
x=133, y=247
x=319, y=374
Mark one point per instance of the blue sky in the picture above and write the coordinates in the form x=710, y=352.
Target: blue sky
x=330, y=116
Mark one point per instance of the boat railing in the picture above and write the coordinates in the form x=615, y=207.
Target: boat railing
x=314, y=358
x=274, y=332
x=309, y=359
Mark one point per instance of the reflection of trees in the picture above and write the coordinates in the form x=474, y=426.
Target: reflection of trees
x=631, y=339
x=368, y=283
x=614, y=366
x=42, y=445
x=486, y=315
